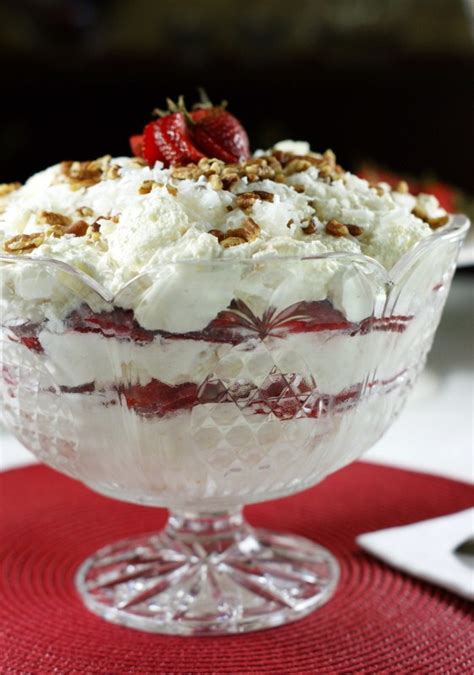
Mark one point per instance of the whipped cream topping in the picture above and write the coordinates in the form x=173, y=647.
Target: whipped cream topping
x=146, y=217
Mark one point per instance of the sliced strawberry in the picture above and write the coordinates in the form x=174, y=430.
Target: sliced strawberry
x=151, y=152
x=219, y=134
x=136, y=145
x=168, y=140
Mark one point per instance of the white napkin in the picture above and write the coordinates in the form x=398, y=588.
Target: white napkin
x=427, y=550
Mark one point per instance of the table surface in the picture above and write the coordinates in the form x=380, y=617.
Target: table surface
x=434, y=433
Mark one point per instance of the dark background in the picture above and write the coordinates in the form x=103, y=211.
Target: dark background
x=389, y=81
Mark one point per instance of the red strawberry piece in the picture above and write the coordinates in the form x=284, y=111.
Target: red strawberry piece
x=157, y=398
x=314, y=317
x=136, y=145
x=151, y=152
x=168, y=140
x=219, y=134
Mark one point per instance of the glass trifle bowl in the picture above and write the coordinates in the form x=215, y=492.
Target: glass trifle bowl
x=254, y=379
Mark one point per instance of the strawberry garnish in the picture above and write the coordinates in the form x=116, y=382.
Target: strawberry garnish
x=136, y=145
x=219, y=134
x=173, y=141
x=180, y=137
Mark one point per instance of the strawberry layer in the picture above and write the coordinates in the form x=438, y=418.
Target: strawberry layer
x=232, y=326
x=285, y=397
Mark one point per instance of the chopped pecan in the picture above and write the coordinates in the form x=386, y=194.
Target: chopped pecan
x=191, y=172
x=78, y=228
x=402, y=186
x=218, y=234
x=229, y=178
x=433, y=222
x=85, y=174
x=240, y=235
x=51, y=218
x=248, y=231
x=297, y=165
x=232, y=241
x=7, y=188
x=84, y=211
x=24, y=242
x=355, y=230
x=283, y=158
x=258, y=169
x=378, y=188
x=298, y=187
x=336, y=229
x=113, y=171
x=215, y=182
x=245, y=200
x=146, y=187
x=310, y=228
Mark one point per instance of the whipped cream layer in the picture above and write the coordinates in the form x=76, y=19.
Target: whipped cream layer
x=141, y=219
x=76, y=360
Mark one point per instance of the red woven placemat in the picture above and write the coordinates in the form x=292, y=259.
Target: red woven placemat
x=380, y=620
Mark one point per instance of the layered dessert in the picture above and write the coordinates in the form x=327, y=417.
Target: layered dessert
x=197, y=318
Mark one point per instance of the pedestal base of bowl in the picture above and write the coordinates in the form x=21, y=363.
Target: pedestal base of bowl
x=207, y=575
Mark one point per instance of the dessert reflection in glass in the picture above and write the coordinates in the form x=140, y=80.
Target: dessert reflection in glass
x=174, y=341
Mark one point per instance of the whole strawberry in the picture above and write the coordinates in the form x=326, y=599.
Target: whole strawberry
x=179, y=137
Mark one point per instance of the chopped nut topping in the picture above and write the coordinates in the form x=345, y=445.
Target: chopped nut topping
x=215, y=182
x=378, y=189
x=290, y=222
x=240, y=235
x=95, y=227
x=434, y=223
x=78, y=228
x=8, y=188
x=84, y=211
x=310, y=228
x=259, y=169
x=336, y=229
x=229, y=178
x=249, y=230
x=298, y=187
x=276, y=167
x=297, y=165
x=191, y=172
x=231, y=241
x=355, y=230
x=229, y=208
x=146, y=187
x=84, y=174
x=218, y=234
x=245, y=200
x=172, y=190
x=51, y=218
x=402, y=186
x=282, y=157
x=113, y=172
x=23, y=242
